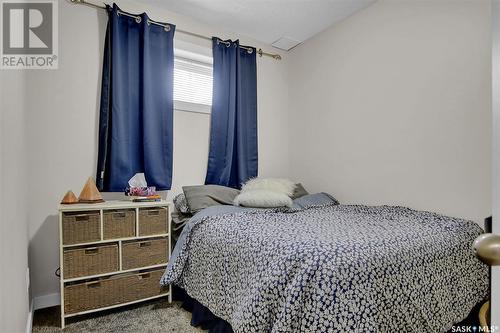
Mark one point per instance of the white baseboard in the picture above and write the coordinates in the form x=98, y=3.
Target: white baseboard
x=46, y=301
x=29, y=323
x=41, y=302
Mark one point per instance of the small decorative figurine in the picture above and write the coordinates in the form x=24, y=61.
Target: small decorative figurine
x=90, y=193
x=69, y=198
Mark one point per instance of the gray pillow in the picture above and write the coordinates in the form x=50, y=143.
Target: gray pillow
x=316, y=199
x=180, y=204
x=202, y=196
x=300, y=191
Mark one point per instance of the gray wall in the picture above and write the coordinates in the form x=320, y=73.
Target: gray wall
x=393, y=106
x=14, y=299
x=495, y=314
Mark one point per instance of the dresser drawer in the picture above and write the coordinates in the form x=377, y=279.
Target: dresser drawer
x=152, y=221
x=83, y=296
x=90, y=261
x=81, y=227
x=143, y=253
x=144, y=285
x=119, y=223
x=128, y=287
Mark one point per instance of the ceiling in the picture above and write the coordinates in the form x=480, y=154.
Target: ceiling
x=267, y=20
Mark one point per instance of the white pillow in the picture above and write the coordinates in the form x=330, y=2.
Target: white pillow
x=279, y=185
x=262, y=199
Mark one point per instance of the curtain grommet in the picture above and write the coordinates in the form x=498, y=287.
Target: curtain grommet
x=166, y=28
x=249, y=51
x=138, y=19
x=148, y=22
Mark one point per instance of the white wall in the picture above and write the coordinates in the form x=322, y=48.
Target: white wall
x=392, y=106
x=14, y=298
x=495, y=278
x=63, y=116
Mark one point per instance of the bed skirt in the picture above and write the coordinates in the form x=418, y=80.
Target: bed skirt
x=201, y=315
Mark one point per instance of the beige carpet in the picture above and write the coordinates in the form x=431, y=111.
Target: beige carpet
x=157, y=316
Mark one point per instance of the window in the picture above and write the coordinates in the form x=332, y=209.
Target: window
x=192, y=82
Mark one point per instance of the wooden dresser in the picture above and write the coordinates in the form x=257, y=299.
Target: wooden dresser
x=112, y=254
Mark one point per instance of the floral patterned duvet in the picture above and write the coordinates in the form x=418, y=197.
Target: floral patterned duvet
x=332, y=268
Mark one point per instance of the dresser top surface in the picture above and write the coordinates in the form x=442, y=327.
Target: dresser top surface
x=112, y=204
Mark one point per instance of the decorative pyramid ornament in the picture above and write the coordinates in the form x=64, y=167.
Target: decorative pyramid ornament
x=90, y=193
x=69, y=198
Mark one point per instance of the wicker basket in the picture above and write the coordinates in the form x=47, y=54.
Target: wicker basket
x=152, y=221
x=144, y=253
x=90, y=261
x=114, y=290
x=95, y=294
x=119, y=223
x=81, y=227
x=144, y=285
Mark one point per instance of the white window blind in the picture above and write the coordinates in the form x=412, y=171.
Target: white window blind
x=192, y=85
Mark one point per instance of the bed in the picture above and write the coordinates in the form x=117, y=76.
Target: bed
x=330, y=268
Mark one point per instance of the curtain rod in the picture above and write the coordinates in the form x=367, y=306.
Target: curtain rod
x=260, y=52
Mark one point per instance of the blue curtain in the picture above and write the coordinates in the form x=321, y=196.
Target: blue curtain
x=136, y=115
x=233, y=134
